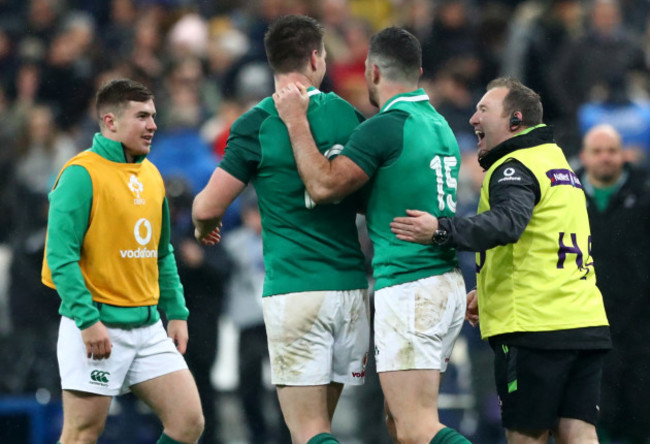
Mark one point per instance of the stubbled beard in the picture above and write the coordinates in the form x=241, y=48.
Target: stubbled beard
x=608, y=177
x=372, y=98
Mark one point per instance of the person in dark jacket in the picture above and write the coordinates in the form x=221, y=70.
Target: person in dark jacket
x=618, y=202
x=536, y=291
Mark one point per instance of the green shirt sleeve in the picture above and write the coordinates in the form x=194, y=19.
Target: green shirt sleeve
x=70, y=204
x=172, y=300
x=243, y=149
x=377, y=142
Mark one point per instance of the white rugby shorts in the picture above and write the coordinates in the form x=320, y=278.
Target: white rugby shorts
x=318, y=337
x=417, y=323
x=138, y=354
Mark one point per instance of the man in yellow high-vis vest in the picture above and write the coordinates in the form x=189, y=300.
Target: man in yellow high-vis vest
x=536, y=293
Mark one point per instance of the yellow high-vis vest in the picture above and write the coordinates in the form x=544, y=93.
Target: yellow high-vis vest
x=119, y=254
x=545, y=281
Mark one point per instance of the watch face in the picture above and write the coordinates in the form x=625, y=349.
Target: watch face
x=441, y=236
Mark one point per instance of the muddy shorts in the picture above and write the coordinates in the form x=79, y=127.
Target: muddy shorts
x=318, y=337
x=417, y=323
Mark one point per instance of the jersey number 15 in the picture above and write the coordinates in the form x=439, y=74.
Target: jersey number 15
x=437, y=164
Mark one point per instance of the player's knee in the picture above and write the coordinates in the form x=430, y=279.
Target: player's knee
x=187, y=428
x=83, y=433
x=194, y=425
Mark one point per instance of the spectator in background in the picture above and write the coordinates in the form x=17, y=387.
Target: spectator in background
x=416, y=16
x=618, y=202
x=334, y=15
x=42, y=21
x=8, y=62
x=145, y=56
x=606, y=51
x=203, y=272
x=630, y=118
x=453, y=98
x=453, y=35
x=348, y=70
x=225, y=48
x=119, y=32
x=244, y=308
x=41, y=152
x=180, y=150
x=67, y=72
x=533, y=43
x=187, y=95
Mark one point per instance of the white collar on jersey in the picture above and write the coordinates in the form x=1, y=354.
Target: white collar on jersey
x=406, y=99
x=313, y=92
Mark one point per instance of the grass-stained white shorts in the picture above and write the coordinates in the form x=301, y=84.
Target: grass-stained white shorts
x=417, y=323
x=318, y=337
x=138, y=354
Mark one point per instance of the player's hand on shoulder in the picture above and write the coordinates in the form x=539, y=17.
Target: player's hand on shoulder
x=417, y=226
x=291, y=102
x=97, y=340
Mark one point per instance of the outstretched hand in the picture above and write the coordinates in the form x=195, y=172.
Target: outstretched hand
x=291, y=102
x=417, y=227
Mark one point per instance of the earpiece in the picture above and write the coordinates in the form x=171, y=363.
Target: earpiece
x=514, y=122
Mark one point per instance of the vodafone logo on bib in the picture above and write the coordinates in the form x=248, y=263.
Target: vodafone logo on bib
x=142, y=232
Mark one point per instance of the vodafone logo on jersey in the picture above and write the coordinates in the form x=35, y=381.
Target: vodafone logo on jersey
x=143, y=233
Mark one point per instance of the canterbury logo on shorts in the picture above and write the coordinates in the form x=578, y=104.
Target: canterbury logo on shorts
x=99, y=377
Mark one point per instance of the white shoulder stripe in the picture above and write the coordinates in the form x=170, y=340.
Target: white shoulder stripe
x=419, y=98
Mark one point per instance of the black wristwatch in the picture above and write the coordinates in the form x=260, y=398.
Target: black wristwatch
x=440, y=237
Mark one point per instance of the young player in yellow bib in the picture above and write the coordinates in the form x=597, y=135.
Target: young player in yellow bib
x=536, y=291
x=108, y=256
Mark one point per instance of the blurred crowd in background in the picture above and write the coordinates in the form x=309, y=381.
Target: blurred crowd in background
x=204, y=60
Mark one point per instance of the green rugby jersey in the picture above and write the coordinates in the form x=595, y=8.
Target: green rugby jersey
x=307, y=247
x=412, y=158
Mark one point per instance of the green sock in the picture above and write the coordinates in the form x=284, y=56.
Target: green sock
x=164, y=439
x=323, y=438
x=449, y=436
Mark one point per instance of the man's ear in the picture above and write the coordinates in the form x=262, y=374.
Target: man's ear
x=313, y=60
x=376, y=74
x=109, y=122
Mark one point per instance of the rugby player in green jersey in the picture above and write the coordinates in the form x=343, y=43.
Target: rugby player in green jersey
x=315, y=301
x=409, y=158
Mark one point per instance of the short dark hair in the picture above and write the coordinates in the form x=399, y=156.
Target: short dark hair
x=115, y=94
x=397, y=53
x=290, y=41
x=520, y=98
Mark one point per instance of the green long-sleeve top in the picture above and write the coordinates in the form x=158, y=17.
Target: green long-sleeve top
x=69, y=213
